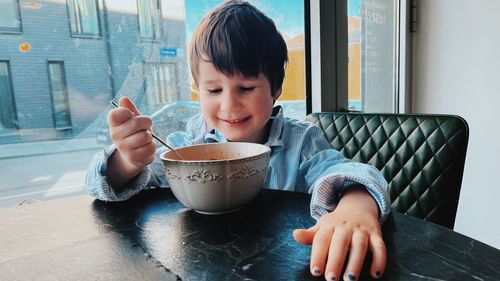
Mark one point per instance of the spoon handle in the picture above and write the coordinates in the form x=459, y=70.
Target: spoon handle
x=155, y=136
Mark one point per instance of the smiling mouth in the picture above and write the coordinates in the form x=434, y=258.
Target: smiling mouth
x=235, y=121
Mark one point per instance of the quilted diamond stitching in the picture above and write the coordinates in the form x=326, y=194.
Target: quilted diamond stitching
x=421, y=156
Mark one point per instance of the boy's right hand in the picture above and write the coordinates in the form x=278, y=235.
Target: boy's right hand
x=131, y=134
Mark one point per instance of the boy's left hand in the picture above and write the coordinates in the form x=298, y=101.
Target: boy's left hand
x=348, y=232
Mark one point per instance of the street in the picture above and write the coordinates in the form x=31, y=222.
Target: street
x=43, y=177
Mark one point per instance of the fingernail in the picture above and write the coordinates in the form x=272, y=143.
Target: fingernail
x=377, y=273
x=330, y=277
x=316, y=271
x=351, y=276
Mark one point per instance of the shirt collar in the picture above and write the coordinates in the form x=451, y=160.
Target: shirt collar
x=274, y=139
x=214, y=136
x=275, y=133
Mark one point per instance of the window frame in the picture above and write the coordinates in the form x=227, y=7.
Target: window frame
x=14, y=30
x=82, y=34
x=66, y=95
x=328, y=56
x=159, y=22
x=12, y=96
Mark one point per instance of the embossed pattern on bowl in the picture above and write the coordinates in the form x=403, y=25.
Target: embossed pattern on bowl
x=218, y=177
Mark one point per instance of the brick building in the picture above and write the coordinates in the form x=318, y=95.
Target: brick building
x=61, y=62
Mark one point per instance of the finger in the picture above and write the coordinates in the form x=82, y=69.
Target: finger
x=337, y=253
x=319, y=251
x=379, y=253
x=130, y=127
x=143, y=155
x=357, y=254
x=126, y=102
x=142, y=123
x=305, y=236
x=139, y=139
x=137, y=148
x=119, y=116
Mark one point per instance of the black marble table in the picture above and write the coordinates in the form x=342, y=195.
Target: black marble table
x=153, y=237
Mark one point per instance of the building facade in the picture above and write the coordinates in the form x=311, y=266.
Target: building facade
x=61, y=62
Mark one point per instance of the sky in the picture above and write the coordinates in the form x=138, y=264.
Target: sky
x=353, y=7
x=288, y=15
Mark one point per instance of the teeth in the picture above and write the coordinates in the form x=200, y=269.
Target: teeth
x=233, y=120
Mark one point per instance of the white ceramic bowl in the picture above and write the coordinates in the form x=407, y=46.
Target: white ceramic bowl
x=217, y=178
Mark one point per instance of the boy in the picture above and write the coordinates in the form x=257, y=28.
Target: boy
x=237, y=60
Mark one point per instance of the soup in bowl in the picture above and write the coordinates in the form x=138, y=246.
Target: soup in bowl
x=217, y=178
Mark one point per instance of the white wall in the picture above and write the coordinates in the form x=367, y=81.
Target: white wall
x=457, y=71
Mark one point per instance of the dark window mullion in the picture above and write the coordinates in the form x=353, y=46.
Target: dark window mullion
x=334, y=56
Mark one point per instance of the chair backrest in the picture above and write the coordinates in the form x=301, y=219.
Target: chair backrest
x=422, y=156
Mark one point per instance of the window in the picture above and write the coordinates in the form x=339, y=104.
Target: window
x=59, y=95
x=10, y=21
x=372, y=57
x=84, y=17
x=8, y=115
x=66, y=109
x=362, y=63
x=161, y=83
x=149, y=19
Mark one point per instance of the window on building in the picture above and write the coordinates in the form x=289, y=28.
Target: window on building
x=59, y=95
x=84, y=17
x=149, y=13
x=10, y=20
x=161, y=83
x=8, y=115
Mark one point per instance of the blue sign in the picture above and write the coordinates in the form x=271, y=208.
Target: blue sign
x=168, y=52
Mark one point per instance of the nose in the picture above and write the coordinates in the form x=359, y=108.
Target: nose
x=230, y=101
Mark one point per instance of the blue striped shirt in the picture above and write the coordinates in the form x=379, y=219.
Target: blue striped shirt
x=301, y=160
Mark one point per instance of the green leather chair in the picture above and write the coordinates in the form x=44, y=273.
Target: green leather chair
x=421, y=156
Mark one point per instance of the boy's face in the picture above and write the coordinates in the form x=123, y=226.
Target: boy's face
x=238, y=107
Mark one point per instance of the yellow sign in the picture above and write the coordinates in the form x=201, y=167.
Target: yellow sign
x=25, y=47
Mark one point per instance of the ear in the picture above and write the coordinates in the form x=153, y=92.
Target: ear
x=277, y=94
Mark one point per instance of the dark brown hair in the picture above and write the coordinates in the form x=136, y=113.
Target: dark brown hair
x=237, y=38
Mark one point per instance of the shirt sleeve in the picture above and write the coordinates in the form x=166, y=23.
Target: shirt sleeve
x=151, y=176
x=328, y=174
x=97, y=185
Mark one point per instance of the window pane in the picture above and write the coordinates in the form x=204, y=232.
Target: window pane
x=9, y=16
x=372, y=56
x=8, y=116
x=83, y=16
x=149, y=19
x=145, y=18
x=62, y=118
x=153, y=73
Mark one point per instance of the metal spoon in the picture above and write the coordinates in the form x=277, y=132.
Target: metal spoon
x=156, y=137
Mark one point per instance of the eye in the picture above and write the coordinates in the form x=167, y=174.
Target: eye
x=247, y=89
x=214, y=91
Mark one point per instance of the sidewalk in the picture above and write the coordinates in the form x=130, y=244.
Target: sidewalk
x=47, y=147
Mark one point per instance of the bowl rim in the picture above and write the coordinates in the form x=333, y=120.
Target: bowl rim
x=266, y=152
